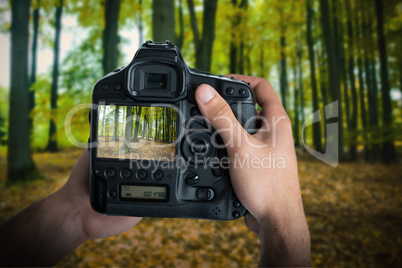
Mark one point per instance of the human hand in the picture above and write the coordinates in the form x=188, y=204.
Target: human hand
x=92, y=224
x=271, y=194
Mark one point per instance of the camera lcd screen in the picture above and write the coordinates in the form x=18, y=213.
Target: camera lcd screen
x=136, y=132
x=143, y=192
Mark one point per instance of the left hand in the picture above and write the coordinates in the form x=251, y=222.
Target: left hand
x=92, y=224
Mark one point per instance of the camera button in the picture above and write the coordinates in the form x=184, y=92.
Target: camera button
x=236, y=203
x=242, y=92
x=105, y=86
x=192, y=179
x=157, y=175
x=236, y=214
x=217, y=172
x=112, y=194
x=109, y=173
x=194, y=112
x=117, y=86
x=125, y=173
x=229, y=91
x=142, y=174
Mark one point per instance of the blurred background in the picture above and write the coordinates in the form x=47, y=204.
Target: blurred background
x=314, y=52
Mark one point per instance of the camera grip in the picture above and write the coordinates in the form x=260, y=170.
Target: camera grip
x=246, y=115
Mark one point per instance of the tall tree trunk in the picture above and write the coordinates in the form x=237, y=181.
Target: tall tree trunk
x=123, y=123
x=296, y=107
x=129, y=128
x=333, y=68
x=388, y=148
x=371, y=87
x=300, y=76
x=180, y=36
x=283, y=74
x=137, y=123
x=316, y=127
x=203, y=46
x=52, y=143
x=103, y=120
x=343, y=68
x=32, y=79
x=351, y=66
x=20, y=166
x=116, y=123
x=362, y=90
x=163, y=21
x=140, y=25
x=110, y=35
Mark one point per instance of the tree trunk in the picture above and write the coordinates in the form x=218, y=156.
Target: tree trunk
x=110, y=35
x=129, y=128
x=32, y=81
x=116, y=123
x=180, y=36
x=140, y=25
x=20, y=165
x=351, y=66
x=388, y=148
x=283, y=74
x=203, y=46
x=163, y=21
x=375, y=151
x=123, y=123
x=333, y=68
x=296, y=107
x=144, y=126
x=316, y=127
x=362, y=93
x=52, y=143
x=300, y=76
x=137, y=123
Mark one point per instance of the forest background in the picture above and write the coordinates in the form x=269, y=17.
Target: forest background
x=314, y=52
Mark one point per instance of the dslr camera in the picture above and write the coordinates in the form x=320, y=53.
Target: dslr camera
x=152, y=153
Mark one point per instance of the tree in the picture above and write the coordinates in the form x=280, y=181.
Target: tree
x=283, y=73
x=116, y=123
x=110, y=35
x=163, y=21
x=20, y=163
x=126, y=148
x=203, y=45
x=388, y=148
x=351, y=66
x=333, y=68
x=316, y=127
x=137, y=122
x=52, y=142
x=237, y=38
x=32, y=79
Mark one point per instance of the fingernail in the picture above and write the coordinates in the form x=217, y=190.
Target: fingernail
x=206, y=94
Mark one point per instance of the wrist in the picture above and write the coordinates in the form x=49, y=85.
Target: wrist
x=285, y=238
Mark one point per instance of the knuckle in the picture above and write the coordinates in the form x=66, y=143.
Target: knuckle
x=223, y=111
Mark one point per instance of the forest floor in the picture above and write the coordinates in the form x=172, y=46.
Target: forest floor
x=354, y=213
x=144, y=149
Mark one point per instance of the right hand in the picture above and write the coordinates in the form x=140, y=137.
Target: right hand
x=271, y=194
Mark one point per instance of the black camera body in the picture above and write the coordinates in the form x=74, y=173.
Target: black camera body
x=151, y=152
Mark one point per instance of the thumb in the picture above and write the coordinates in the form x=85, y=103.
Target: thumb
x=218, y=112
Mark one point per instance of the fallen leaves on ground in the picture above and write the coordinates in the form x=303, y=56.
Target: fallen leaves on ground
x=354, y=212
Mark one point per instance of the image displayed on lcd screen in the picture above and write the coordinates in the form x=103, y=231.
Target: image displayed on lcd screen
x=136, y=132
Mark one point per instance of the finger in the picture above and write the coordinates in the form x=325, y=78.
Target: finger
x=218, y=112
